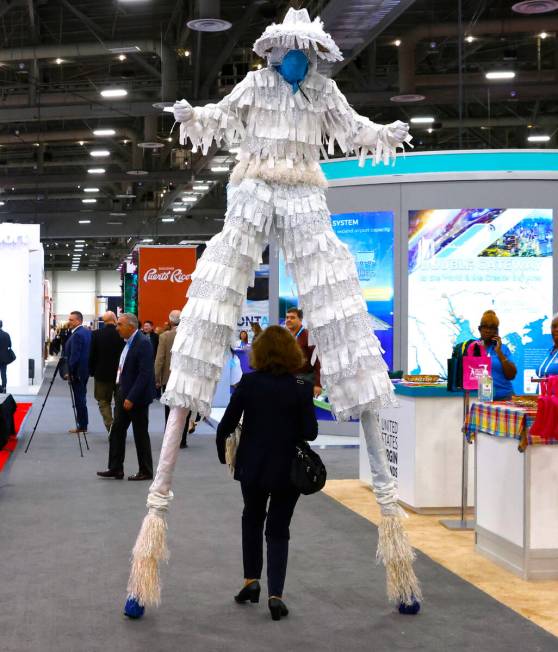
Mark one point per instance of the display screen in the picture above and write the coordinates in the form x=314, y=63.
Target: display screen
x=465, y=261
x=369, y=237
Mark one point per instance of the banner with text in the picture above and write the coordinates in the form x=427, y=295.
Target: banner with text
x=164, y=276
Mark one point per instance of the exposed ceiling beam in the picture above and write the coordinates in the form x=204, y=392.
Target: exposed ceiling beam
x=225, y=51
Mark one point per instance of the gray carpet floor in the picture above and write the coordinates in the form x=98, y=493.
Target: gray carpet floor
x=65, y=540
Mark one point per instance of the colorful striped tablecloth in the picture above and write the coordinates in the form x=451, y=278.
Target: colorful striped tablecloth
x=503, y=419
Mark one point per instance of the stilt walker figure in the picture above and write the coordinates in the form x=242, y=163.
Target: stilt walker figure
x=281, y=117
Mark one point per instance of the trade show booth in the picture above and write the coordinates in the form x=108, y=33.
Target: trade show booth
x=439, y=238
x=22, y=303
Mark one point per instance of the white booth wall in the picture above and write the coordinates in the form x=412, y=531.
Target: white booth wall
x=79, y=291
x=21, y=301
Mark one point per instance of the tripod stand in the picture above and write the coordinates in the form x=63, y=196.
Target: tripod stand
x=79, y=433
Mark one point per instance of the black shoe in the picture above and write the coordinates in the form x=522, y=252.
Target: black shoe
x=183, y=444
x=117, y=475
x=139, y=477
x=277, y=608
x=250, y=592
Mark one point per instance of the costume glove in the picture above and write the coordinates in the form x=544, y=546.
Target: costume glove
x=397, y=132
x=183, y=111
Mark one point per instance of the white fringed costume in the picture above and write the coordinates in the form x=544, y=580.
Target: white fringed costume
x=278, y=187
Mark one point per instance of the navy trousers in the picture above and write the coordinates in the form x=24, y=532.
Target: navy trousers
x=3, y=375
x=79, y=388
x=277, y=521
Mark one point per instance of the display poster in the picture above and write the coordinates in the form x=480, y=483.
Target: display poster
x=465, y=261
x=164, y=276
x=369, y=236
x=255, y=308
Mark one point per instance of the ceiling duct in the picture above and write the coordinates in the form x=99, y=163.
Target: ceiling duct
x=208, y=17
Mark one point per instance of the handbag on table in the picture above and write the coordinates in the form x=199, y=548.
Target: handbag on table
x=475, y=365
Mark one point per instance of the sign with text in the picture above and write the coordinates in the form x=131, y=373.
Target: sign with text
x=164, y=276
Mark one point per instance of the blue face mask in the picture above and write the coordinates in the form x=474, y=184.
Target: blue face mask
x=293, y=68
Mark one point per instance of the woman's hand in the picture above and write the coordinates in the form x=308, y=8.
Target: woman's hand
x=497, y=344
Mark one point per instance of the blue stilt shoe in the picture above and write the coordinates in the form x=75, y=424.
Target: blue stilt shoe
x=409, y=609
x=133, y=609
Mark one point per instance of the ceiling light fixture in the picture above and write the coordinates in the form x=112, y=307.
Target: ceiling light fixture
x=84, y=221
x=59, y=61
x=99, y=153
x=104, y=132
x=397, y=43
x=469, y=39
x=89, y=201
x=423, y=120
x=220, y=168
x=500, y=74
x=91, y=190
x=201, y=186
x=114, y=92
x=179, y=209
x=122, y=57
x=96, y=171
x=543, y=35
x=147, y=240
x=540, y=138
x=167, y=219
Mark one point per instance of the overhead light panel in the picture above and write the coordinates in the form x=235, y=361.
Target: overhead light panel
x=538, y=138
x=99, y=153
x=423, y=120
x=147, y=240
x=114, y=92
x=500, y=74
x=96, y=171
x=167, y=219
x=201, y=186
x=104, y=132
x=179, y=209
x=220, y=168
x=91, y=200
x=84, y=221
x=91, y=190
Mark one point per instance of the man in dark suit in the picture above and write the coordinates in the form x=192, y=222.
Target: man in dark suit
x=5, y=346
x=106, y=347
x=76, y=353
x=148, y=330
x=135, y=391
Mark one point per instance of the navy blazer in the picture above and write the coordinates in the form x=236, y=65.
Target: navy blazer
x=137, y=379
x=278, y=412
x=76, y=352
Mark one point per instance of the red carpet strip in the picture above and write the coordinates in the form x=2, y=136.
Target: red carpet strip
x=19, y=416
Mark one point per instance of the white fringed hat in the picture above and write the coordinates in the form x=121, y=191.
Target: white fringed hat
x=298, y=32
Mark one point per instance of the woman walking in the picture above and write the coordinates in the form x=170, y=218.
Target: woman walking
x=277, y=411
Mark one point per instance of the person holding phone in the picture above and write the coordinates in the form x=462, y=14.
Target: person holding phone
x=503, y=368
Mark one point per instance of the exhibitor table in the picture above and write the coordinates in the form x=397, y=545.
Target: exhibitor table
x=424, y=443
x=516, y=491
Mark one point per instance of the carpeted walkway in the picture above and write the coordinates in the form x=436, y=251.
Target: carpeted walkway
x=65, y=537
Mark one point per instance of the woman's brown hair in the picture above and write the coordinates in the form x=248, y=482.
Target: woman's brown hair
x=276, y=350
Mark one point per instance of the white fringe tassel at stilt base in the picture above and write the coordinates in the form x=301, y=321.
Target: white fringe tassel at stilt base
x=397, y=555
x=151, y=548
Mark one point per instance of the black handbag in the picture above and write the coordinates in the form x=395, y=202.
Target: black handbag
x=308, y=473
x=11, y=356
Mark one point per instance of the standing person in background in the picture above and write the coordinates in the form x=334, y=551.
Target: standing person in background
x=76, y=352
x=162, y=368
x=503, y=368
x=549, y=366
x=5, y=357
x=256, y=329
x=135, y=391
x=148, y=330
x=309, y=372
x=106, y=347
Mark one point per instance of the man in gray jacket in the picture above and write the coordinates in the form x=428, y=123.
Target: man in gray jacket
x=162, y=368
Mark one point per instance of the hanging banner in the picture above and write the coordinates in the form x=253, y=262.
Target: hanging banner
x=164, y=276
